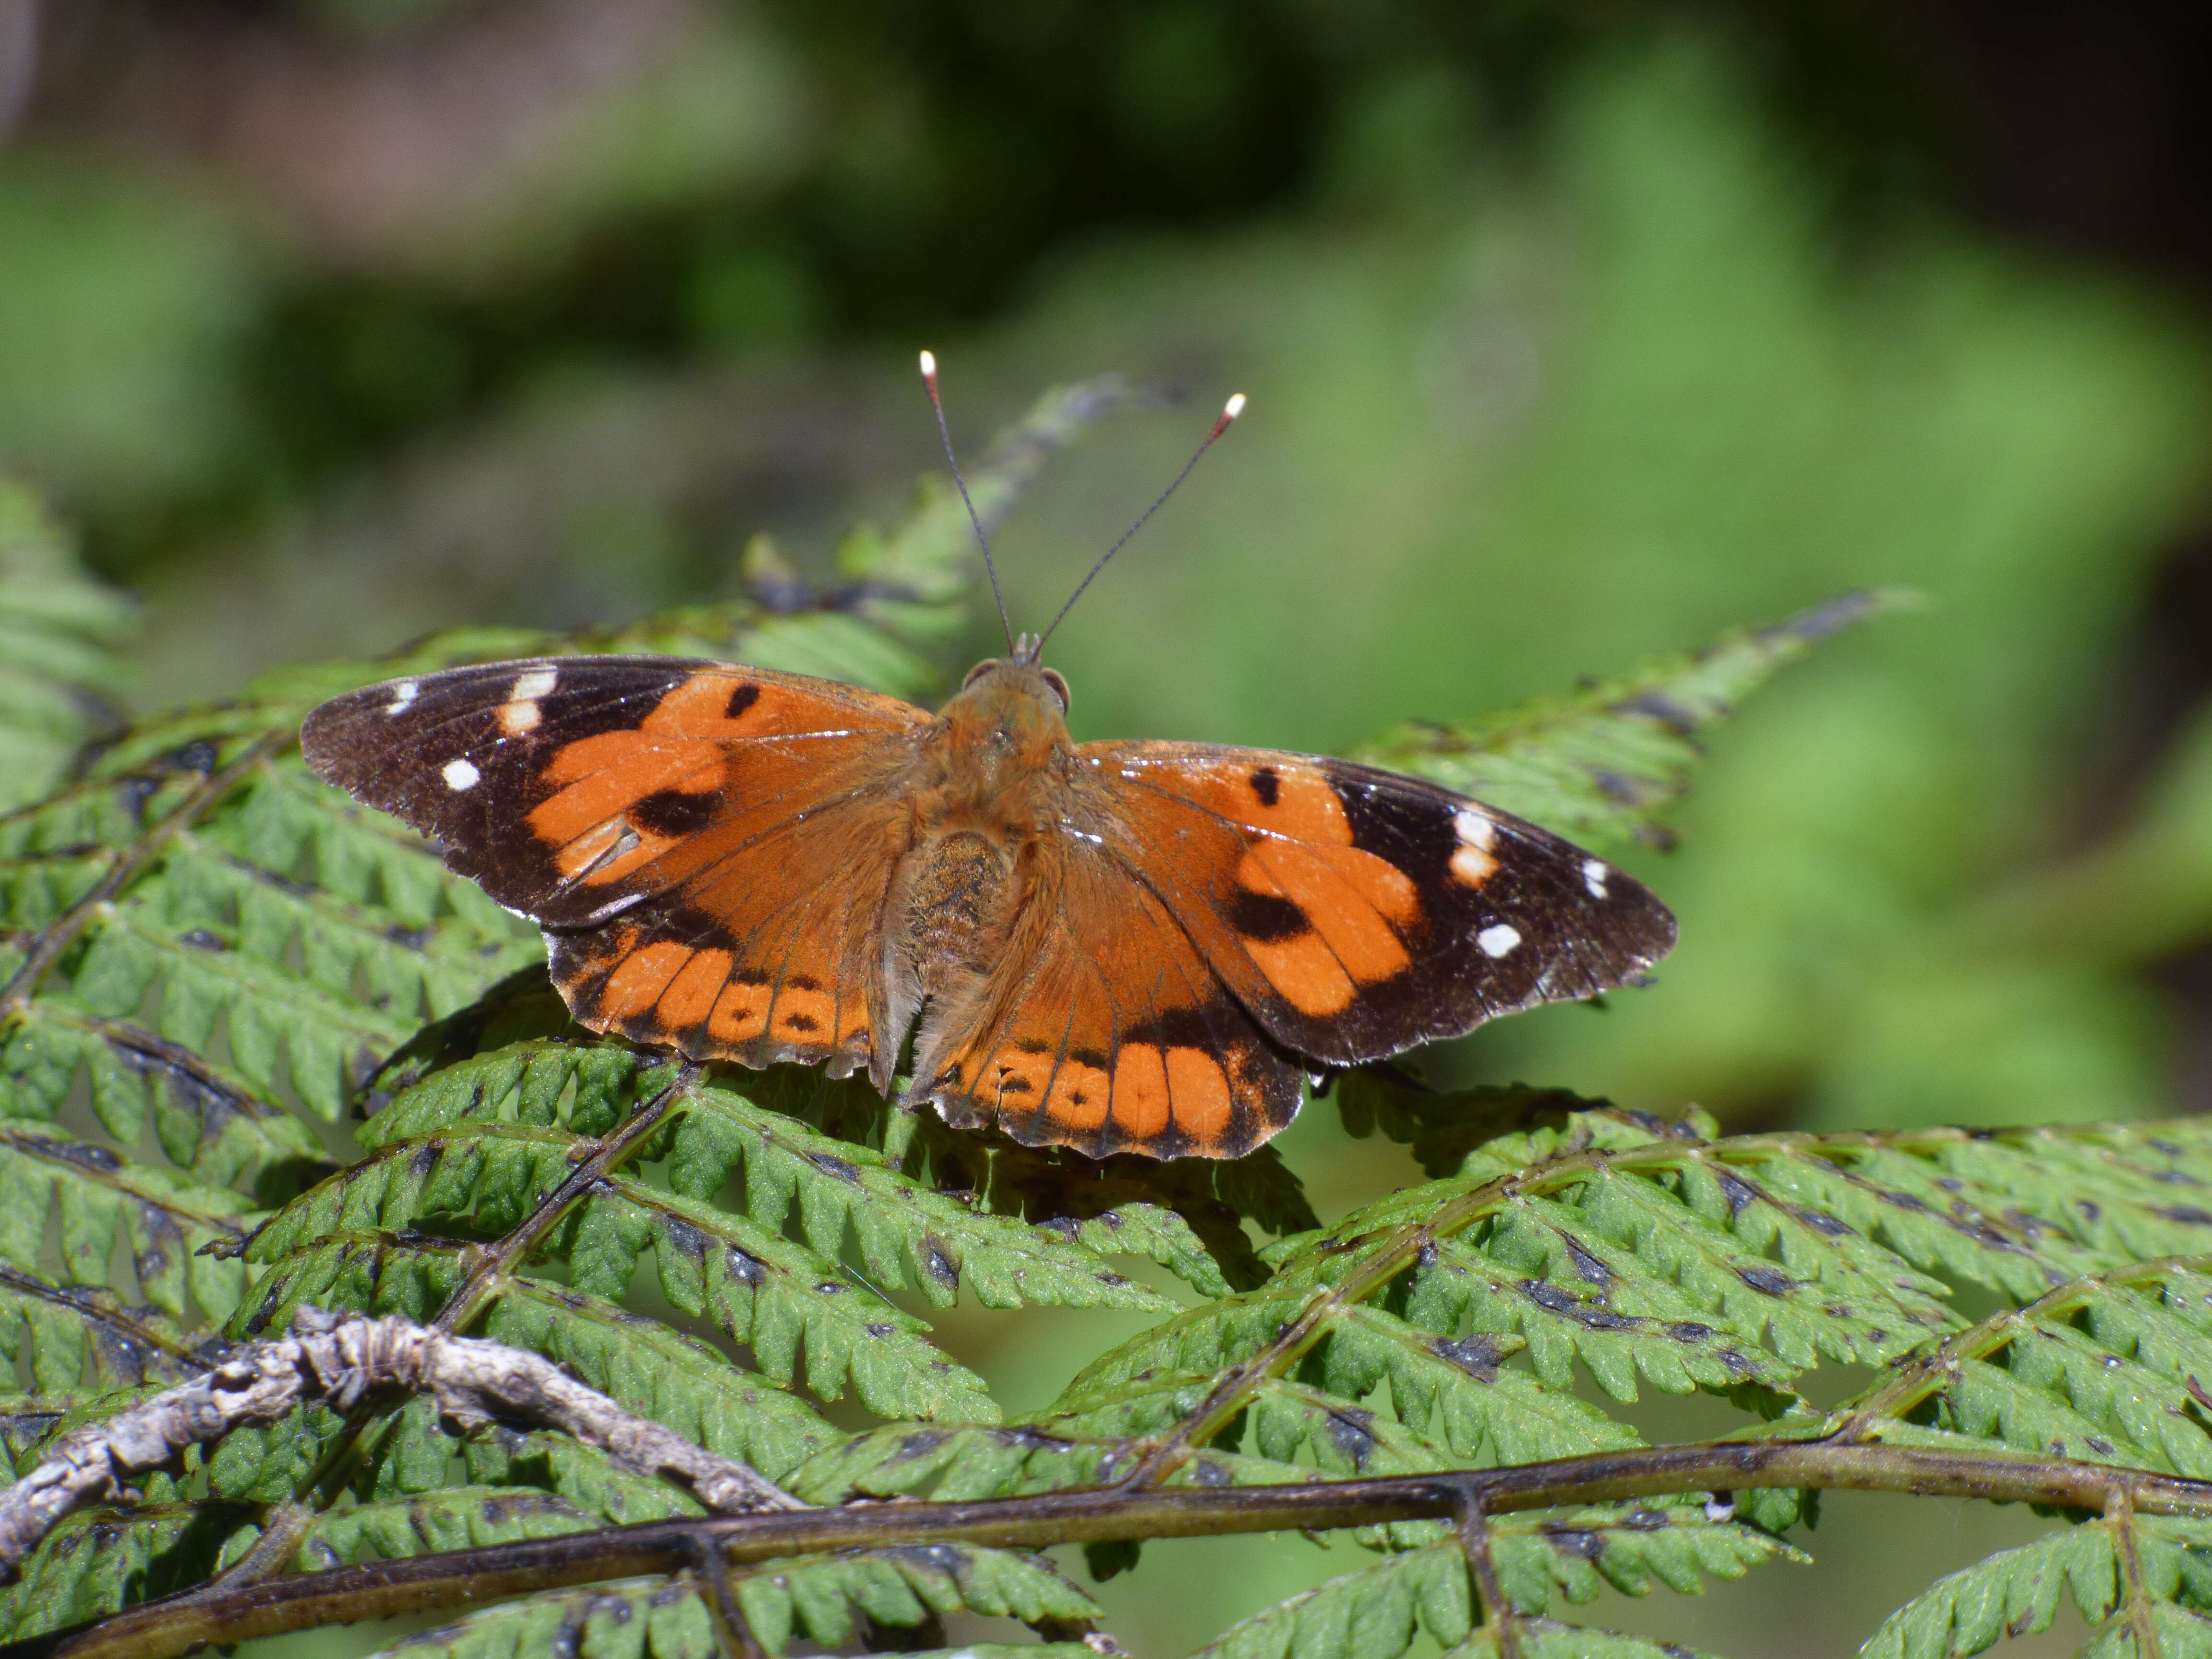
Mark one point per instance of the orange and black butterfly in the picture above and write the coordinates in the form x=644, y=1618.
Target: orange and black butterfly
x=1123, y=946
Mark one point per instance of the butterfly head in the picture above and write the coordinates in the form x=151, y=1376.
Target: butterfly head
x=1019, y=677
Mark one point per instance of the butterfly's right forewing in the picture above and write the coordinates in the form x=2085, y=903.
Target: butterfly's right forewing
x=707, y=845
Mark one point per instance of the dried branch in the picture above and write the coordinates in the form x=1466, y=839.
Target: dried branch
x=380, y=1589
x=340, y=1359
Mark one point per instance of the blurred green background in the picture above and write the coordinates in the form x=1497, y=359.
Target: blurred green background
x=1574, y=331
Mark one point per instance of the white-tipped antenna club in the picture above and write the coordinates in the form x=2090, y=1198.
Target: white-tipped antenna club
x=945, y=431
x=1229, y=411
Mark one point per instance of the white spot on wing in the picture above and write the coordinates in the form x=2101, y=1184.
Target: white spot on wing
x=1498, y=940
x=461, y=774
x=614, y=907
x=1594, y=875
x=403, y=694
x=538, y=683
x=1471, y=860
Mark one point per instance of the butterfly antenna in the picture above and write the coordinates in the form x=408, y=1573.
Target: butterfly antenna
x=929, y=380
x=1229, y=411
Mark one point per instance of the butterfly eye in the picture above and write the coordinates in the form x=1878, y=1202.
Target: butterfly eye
x=978, y=671
x=1053, y=678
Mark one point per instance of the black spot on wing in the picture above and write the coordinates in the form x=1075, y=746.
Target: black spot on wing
x=676, y=811
x=742, y=699
x=1266, y=784
x=1266, y=916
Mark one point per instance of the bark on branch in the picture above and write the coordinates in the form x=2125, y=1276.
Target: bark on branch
x=179, y=1624
x=340, y=1359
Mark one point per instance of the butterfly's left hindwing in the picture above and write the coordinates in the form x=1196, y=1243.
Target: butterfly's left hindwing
x=1357, y=912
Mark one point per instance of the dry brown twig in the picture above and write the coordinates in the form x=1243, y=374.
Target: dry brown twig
x=339, y=1358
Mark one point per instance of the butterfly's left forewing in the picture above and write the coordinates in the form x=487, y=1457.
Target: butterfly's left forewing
x=1357, y=912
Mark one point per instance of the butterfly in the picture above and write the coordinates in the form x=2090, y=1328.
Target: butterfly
x=1133, y=946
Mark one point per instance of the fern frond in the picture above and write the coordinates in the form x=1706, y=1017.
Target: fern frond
x=455, y=1517
x=814, y=1598
x=60, y=631
x=1601, y=766
x=99, y=1560
x=762, y=1288
x=2016, y=1592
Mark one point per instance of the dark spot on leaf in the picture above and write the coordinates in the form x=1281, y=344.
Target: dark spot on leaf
x=919, y=1445
x=836, y=1166
x=683, y=1238
x=200, y=939
x=879, y=1330
x=1575, y=1540
x=937, y=1558
x=1208, y=1473
x=743, y=1268
x=2098, y=1443
x=2188, y=1214
x=85, y=1157
x=1739, y=1192
x=1821, y=1222
x=1656, y=705
x=1476, y=1355
x=1764, y=1278
x=410, y=938
x=1618, y=786
x=132, y=795
x=1950, y=1184
x=1588, y=1266
x=424, y=1159
x=1551, y=1298
x=1900, y=1200
x=198, y=756
x=1688, y=1330
x=1112, y=1278
x=494, y=1511
x=1353, y=1431
x=2088, y=1209
x=830, y=1287
x=938, y=1264
x=1736, y=1364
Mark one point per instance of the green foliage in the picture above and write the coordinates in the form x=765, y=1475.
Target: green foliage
x=1601, y=766
x=60, y=632
x=212, y=958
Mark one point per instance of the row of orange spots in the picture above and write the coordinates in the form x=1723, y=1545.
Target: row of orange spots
x=682, y=989
x=1148, y=1091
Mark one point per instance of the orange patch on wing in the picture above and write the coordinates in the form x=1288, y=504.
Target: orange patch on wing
x=804, y=1014
x=1140, y=1093
x=609, y=773
x=740, y=1013
x=690, y=995
x=699, y=706
x=1307, y=808
x=1334, y=893
x=1306, y=971
x=1081, y=1095
x=637, y=981
x=1200, y=1094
